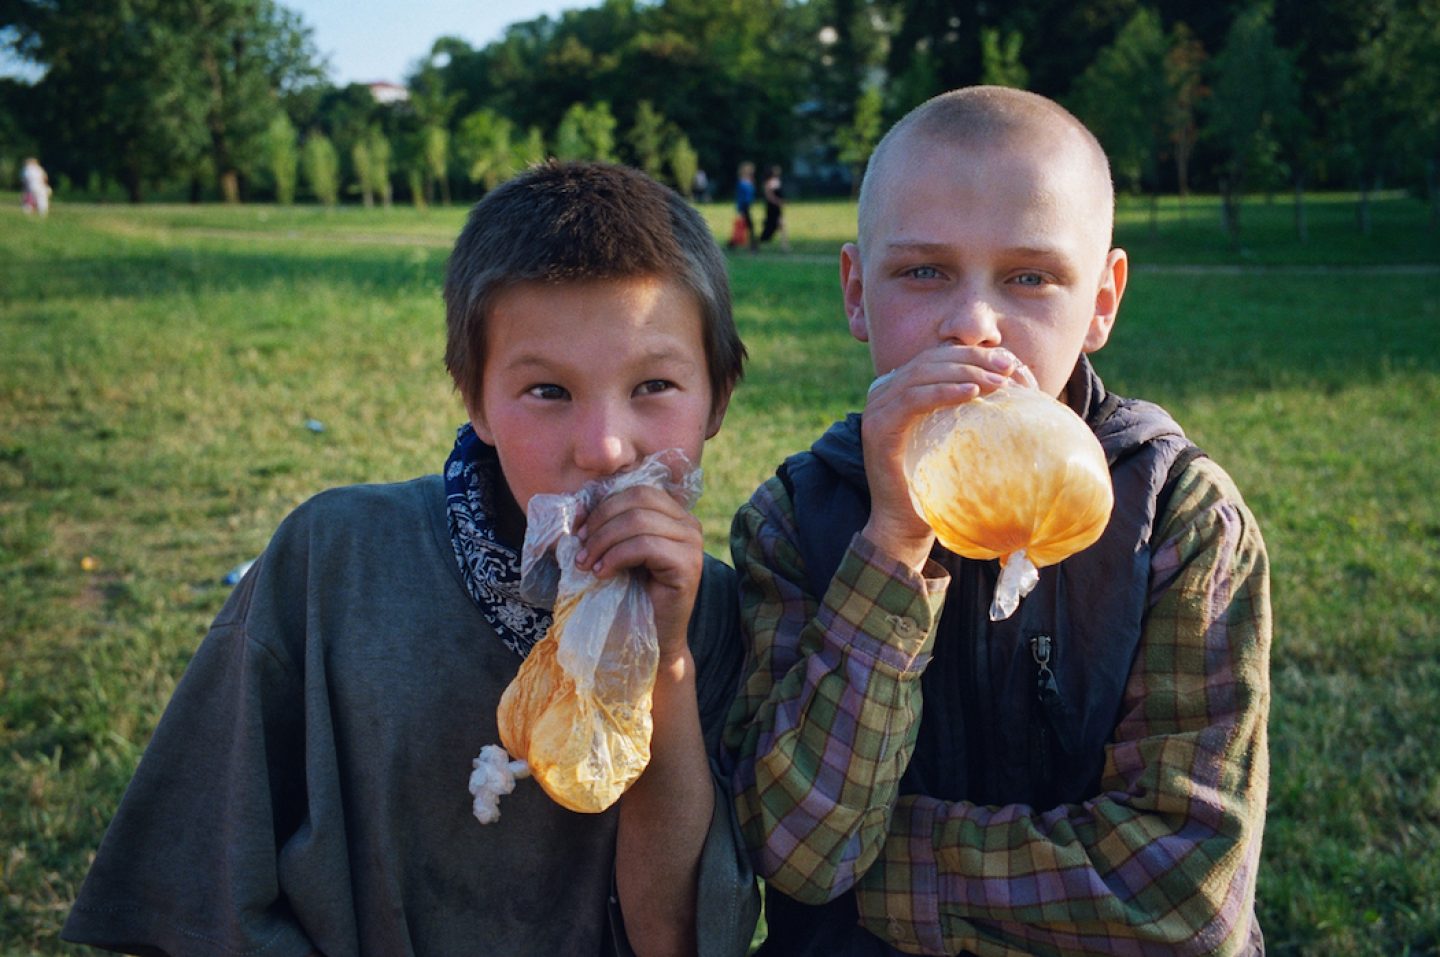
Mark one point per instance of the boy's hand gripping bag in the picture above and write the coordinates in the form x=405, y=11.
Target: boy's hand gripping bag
x=1014, y=475
x=577, y=715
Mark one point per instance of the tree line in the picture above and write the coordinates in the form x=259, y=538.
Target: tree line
x=229, y=98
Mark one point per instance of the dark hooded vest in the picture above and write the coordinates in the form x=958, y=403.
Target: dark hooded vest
x=1017, y=711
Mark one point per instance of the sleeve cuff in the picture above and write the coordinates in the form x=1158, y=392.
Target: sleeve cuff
x=884, y=611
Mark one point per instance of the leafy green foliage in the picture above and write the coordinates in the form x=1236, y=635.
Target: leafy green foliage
x=1254, y=108
x=143, y=90
x=322, y=168
x=1124, y=98
x=646, y=140
x=683, y=162
x=586, y=133
x=1000, y=58
x=282, y=158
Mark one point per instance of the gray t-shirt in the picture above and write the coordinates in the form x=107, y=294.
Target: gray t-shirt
x=306, y=787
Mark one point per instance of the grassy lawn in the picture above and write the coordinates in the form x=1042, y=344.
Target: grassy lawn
x=165, y=368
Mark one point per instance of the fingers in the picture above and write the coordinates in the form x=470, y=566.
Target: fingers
x=939, y=377
x=934, y=377
x=642, y=527
x=942, y=376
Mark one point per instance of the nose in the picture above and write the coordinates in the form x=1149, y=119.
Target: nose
x=603, y=442
x=971, y=319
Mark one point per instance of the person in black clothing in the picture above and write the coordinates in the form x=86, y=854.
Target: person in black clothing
x=773, y=192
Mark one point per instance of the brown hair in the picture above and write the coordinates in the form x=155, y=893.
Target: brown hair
x=580, y=222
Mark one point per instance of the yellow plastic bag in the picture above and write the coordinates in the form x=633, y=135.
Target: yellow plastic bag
x=577, y=714
x=1014, y=475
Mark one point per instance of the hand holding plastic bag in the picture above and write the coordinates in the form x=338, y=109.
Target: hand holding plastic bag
x=1014, y=475
x=578, y=712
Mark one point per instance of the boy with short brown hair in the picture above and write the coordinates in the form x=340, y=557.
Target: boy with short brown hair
x=306, y=791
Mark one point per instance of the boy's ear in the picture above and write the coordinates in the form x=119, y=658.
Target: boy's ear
x=717, y=414
x=1107, y=300
x=852, y=287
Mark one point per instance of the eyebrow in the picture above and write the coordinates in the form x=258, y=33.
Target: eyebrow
x=919, y=246
x=537, y=361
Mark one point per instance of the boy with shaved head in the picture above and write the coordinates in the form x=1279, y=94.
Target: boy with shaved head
x=1087, y=776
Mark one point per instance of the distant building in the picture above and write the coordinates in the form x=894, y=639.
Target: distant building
x=388, y=93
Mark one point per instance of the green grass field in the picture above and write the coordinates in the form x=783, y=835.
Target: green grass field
x=158, y=367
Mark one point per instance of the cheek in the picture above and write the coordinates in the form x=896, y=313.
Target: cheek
x=513, y=469
x=892, y=345
x=685, y=430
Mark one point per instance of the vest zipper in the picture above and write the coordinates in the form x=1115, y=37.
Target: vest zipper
x=974, y=638
x=1047, y=696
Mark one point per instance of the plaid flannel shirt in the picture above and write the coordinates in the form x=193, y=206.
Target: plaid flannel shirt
x=1162, y=860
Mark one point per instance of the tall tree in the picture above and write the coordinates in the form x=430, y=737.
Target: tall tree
x=138, y=90
x=1060, y=36
x=15, y=143
x=682, y=160
x=856, y=142
x=943, y=37
x=586, y=133
x=1185, y=78
x=432, y=105
x=646, y=139
x=1256, y=100
x=249, y=52
x=282, y=158
x=1124, y=98
x=1388, y=116
x=483, y=148
x=1000, y=58
x=115, y=98
x=322, y=168
x=435, y=160
x=371, y=155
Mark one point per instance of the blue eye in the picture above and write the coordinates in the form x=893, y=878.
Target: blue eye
x=923, y=272
x=1030, y=279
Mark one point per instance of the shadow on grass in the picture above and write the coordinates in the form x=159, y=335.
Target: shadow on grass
x=197, y=272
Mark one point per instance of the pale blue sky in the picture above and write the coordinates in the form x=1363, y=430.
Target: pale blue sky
x=369, y=40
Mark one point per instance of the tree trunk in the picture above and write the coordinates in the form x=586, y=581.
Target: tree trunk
x=133, y=187
x=1230, y=208
x=1432, y=189
x=230, y=186
x=1302, y=228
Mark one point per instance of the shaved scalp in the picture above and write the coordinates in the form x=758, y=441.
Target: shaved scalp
x=980, y=117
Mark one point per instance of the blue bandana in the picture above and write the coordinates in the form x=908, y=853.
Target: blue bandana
x=490, y=570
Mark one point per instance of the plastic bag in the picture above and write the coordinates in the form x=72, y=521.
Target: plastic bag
x=578, y=712
x=1014, y=475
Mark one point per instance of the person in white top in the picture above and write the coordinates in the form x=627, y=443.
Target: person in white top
x=36, y=198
